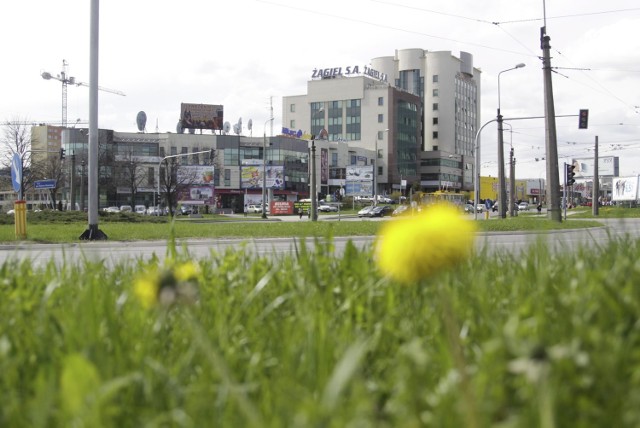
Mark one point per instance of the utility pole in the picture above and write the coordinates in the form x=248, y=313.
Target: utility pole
x=596, y=181
x=553, y=179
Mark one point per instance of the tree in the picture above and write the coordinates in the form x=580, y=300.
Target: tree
x=131, y=174
x=51, y=168
x=16, y=138
x=172, y=177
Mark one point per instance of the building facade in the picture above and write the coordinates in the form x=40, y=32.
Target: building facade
x=402, y=107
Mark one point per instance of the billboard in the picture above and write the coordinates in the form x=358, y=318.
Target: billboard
x=195, y=174
x=624, y=189
x=607, y=167
x=359, y=180
x=201, y=116
x=251, y=177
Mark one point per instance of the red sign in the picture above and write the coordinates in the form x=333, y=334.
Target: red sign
x=281, y=208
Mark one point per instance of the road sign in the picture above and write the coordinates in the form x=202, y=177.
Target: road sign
x=16, y=172
x=45, y=184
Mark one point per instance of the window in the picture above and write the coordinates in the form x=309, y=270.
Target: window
x=380, y=118
x=435, y=120
x=380, y=170
x=292, y=124
x=162, y=152
x=174, y=150
x=184, y=151
x=227, y=177
x=435, y=78
x=150, y=176
x=435, y=135
x=435, y=106
x=435, y=92
x=292, y=108
x=380, y=101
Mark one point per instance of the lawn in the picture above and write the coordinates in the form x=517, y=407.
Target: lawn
x=68, y=226
x=235, y=339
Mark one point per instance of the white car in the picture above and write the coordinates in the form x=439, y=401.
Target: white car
x=140, y=209
x=328, y=208
x=112, y=210
x=523, y=206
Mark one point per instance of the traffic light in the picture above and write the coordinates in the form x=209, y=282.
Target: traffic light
x=583, y=121
x=570, y=174
x=62, y=153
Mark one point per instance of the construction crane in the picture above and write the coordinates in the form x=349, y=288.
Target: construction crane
x=67, y=80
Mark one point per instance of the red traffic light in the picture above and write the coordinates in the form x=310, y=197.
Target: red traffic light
x=583, y=121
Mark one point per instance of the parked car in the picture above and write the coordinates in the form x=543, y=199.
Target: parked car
x=480, y=208
x=365, y=211
x=154, y=211
x=140, y=209
x=468, y=208
x=523, y=206
x=112, y=210
x=126, y=209
x=328, y=208
x=381, y=211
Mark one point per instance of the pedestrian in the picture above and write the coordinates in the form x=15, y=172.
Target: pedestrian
x=539, y=207
x=246, y=209
x=300, y=212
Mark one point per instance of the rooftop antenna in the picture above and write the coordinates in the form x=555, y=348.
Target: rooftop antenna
x=250, y=127
x=66, y=80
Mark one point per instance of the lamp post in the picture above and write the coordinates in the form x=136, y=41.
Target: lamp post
x=502, y=195
x=476, y=173
x=264, y=170
x=314, y=193
x=375, y=172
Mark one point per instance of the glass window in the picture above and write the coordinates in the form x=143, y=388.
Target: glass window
x=435, y=78
x=174, y=150
x=380, y=118
x=435, y=92
x=292, y=108
x=435, y=135
x=380, y=101
x=435, y=120
x=292, y=124
x=435, y=106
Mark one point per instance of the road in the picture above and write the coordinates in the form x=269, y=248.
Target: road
x=114, y=252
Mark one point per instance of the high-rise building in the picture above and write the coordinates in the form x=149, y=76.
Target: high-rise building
x=418, y=109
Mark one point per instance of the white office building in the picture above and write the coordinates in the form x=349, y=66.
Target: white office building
x=418, y=110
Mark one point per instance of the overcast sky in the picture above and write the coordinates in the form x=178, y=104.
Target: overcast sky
x=247, y=54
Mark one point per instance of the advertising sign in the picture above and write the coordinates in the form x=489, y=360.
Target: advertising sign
x=607, y=167
x=251, y=177
x=196, y=195
x=625, y=189
x=359, y=180
x=201, y=116
x=195, y=174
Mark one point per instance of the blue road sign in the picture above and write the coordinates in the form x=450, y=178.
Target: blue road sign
x=45, y=184
x=16, y=172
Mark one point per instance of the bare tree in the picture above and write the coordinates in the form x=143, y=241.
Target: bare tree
x=51, y=168
x=131, y=174
x=172, y=178
x=16, y=138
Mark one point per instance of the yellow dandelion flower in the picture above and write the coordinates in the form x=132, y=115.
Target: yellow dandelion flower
x=146, y=288
x=186, y=271
x=413, y=248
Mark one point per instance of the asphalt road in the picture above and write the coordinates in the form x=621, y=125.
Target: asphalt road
x=114, y=252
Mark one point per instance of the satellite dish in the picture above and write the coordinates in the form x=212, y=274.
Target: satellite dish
x=141, y=121
x=179, y=128
x=236, y=129
x=226, y=128
x=250, y=124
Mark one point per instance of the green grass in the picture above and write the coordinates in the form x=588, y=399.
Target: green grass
x=539, y=340
x=67, y=227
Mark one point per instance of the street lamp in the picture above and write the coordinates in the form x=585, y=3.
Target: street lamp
x=264, y=170
x=502, y=196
